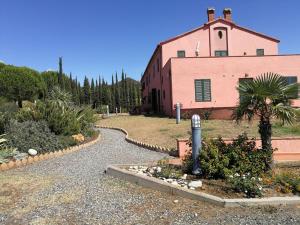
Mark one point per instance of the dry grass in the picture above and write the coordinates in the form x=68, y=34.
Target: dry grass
x=20, y=195
x=15, y=186
x=165, y=131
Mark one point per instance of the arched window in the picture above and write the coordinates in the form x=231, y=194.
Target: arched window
x=220, y=34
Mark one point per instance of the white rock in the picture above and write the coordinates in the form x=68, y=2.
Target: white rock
x=169, y=180
x=175, y=183
x=151, y=171
x=175, y=201
x=32, y=152
x=195, y=184
x=184, y=176
x=158, y=169
x=191, y=188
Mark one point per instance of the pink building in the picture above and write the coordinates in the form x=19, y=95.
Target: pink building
x=202, y=68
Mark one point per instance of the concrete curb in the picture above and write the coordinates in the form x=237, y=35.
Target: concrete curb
x=138, y=143
x=45, y=156
x=156, y=184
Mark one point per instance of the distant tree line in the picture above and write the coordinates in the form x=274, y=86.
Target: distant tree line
x=22, y=83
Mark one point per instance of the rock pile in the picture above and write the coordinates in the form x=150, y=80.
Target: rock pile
x=155, y=171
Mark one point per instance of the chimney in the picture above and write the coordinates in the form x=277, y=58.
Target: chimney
x=227, y=14
x=211, y=14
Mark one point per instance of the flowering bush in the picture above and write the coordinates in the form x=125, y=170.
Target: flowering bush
x=246, y=183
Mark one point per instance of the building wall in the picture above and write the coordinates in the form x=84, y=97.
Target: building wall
x=151, y=79
x=224, y=73
x=188, y=44
x=235, y=40
x=206, y=40
x=244, y=42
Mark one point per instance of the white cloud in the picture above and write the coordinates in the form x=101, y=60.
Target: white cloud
x=1, y=61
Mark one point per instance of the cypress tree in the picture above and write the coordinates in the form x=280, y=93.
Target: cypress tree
x=96, y=94
x=93, y=97
x=60, y=72
x=100, y=91
x=113, y=94
x=86, y=91
x=123, y=91
x=117, y=93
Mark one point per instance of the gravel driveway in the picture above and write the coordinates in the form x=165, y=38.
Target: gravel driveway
x=73, y=189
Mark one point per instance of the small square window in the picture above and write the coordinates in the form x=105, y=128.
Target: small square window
x=221, y=53
x=260, y=52
x=181, y=54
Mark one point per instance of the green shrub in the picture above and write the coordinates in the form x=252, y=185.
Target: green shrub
x=247, y=184
x=67, y=140
x=219, y=159
x=28, y=113
x=7, y=112
x=63, y=117
x=6, y=152
x=288, y=182
x=213, y=160
x=31, y=134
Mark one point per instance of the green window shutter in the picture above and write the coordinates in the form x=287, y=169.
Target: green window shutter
x=206, y=90
x=203, y=90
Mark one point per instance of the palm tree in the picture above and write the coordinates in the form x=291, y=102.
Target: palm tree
x=267, y=96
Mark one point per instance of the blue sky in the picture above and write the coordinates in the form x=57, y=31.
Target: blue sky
x=97, y=37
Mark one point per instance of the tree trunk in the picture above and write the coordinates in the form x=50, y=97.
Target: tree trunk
x=20, y=103
x=265, y=131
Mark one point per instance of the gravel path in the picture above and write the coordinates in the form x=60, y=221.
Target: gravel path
x=73, y=189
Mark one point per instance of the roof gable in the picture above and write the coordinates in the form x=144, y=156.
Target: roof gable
x=221, y=20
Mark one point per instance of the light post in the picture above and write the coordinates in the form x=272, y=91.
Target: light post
x=196, y=143
x=107, y=110
x=177, y=113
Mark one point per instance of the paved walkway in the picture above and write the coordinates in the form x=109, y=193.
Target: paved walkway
x=73, y=189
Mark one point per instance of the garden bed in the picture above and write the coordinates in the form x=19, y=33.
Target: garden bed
x=213, y=191
x=173, y=174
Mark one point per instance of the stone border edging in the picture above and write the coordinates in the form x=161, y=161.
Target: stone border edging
x=156, y=184
x=138, y=143
x=45, y=156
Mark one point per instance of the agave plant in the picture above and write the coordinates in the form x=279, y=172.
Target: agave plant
x=60, y=98
x=267, y=96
